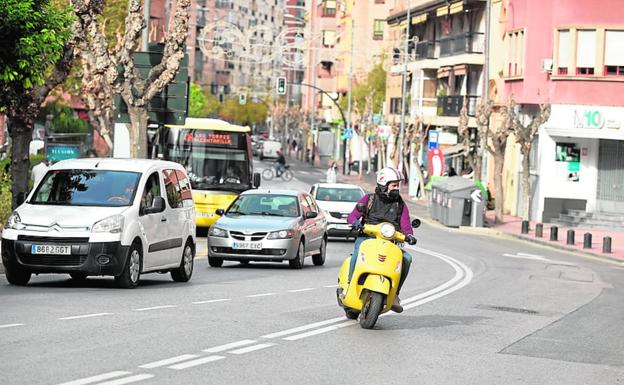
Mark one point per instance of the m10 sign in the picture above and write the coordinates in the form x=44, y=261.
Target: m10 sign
x=588, y=119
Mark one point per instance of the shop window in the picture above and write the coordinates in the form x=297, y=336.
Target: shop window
x=614, y=53
x=585, y=52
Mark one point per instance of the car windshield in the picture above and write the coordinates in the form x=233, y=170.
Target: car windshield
x=339, y=194
x=87, y=188
x=265, y=204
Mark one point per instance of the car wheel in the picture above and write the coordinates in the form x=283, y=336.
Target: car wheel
x=319, y=259
x=215, y=262
x=17, y=276
x=297, y=262
x=184, y=272
x=78, y=276
x=129, y=278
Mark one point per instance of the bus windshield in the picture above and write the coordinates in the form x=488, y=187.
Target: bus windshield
x=214, y=160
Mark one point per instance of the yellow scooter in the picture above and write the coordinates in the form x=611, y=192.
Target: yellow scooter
x=376, y=276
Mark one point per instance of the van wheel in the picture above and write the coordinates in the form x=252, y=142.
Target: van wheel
x=319, y=259
x=297, y=262
x=129, y=278
x=215, y=262
x=78, y=276
x=17, y=276
x=184, y=272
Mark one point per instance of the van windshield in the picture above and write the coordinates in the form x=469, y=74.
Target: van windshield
x=87, y=188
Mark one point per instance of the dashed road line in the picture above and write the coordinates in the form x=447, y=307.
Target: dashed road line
x=98, y=378
x=212, y=301
x=197, y=362
x=301, y=290
x=229, y=346
x=252, y=348
x=330, y=286
x=303, y=328
x=168, y=361
x=84, y=316
x=320, y=331
x=155, y=308
x=260, y=295
x=10, y=326
x=128, y=380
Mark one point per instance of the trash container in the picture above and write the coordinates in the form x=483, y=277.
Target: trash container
x=458, y=206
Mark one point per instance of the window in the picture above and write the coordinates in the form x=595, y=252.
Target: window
x=152, y=190
x=585, y=52
x=329, y=38
x=395, y=106
x=378, y=29
x=329, y=8
x=305, y=206
x=185, y=189
x=614, y=53
x=563, y=57
x=173, y=190
x=515, y=53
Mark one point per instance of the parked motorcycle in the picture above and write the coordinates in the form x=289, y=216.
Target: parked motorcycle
x=376, y=276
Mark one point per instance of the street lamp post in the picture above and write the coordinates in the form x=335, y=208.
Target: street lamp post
x=404, y=86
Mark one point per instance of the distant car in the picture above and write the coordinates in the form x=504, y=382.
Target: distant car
x=269, y=225
x=269, y=149
x=104, y=217
x=337, y=200
x=256, y=145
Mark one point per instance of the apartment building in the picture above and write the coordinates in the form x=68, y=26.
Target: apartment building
x=569, y=55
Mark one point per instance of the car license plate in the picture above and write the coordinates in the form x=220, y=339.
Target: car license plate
x=247, y=245
x=50, y=249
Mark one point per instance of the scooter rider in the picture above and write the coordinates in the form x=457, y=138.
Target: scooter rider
x=385, y=205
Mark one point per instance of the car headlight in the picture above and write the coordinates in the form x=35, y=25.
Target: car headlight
x=217, y=232
x=387, y=230
x=282, y=234
x=113, y=224
x=15, y=222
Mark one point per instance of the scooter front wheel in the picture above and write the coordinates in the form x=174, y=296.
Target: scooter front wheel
x=373, y=304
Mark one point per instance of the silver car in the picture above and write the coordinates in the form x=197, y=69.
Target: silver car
x=269, y=225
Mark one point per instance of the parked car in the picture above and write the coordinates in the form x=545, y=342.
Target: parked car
x=337, y=200
x=269, y=149
x=269, y=225
x=256, y=145
x=104, y=217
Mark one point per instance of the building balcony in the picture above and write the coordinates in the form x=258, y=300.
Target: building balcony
x=452, y=105
x=425, y=50
x=469, y=42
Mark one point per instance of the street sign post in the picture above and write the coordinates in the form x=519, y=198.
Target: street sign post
x=433, y=139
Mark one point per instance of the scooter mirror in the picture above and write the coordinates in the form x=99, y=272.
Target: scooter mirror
x=416, y=223
x=360, y=207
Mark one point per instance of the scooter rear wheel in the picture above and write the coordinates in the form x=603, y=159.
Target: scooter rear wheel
x=373, y=304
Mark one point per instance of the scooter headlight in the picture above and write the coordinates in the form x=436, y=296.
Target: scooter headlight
x=387, y=230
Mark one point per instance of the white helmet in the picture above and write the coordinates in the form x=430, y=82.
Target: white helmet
x=387, y=175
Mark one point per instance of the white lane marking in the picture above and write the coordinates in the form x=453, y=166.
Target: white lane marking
x=212, y=301
x=260, y=295
x=252, y=348
x=300, y=290
x=331, y=286
x=155, y=308
x=85, y=316
x=9, y=325
x=302, y=328
x=229, y=346
x=320, y=331
x=199, y=361
x=100, y=377
x=127, y=380
x=168, y=361
x=537, y=258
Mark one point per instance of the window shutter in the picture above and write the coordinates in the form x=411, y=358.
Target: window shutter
x=563, y=59
x=614, y=48
x=586, y=49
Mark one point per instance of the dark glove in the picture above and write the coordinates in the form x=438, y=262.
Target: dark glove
x=357, y=225
x=410, y=239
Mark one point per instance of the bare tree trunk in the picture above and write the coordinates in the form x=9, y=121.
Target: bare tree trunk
x=499, y=161
x=526, y=186
x=138, y=131
x=21, y=134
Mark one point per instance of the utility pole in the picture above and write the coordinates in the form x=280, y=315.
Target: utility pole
x=403, y=87
x=314, y=69
x=145, y=34
x=345, y=166
x=486, y=81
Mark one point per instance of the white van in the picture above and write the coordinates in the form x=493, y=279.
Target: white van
x=269, y=149
x=119, y=217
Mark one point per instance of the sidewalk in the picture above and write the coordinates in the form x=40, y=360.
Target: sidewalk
x=511, y=225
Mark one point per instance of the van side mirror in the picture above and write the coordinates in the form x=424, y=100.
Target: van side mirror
x=416, y=223
x=360, y=207
x=158, y=206
x=21, y=197
x=256, y=179
x=219, y=212
x=311, y=214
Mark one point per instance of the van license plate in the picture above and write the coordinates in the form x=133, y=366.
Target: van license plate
x=50, y=249
x=247, y=245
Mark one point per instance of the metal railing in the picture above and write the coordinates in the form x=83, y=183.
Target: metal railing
x=452, y=105
x=425, y=50
x=469, y=42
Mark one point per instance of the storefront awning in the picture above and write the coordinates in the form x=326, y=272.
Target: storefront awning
x=453, y=151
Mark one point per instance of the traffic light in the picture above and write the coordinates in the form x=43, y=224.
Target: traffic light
x=281, y=86
x=242, y=99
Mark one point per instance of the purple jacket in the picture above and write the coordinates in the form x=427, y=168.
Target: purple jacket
x=406, y=225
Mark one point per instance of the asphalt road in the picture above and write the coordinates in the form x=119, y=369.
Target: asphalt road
x=479, y=310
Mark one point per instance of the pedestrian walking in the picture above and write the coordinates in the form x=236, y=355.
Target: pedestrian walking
x=332, y=173
x=39, y=171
